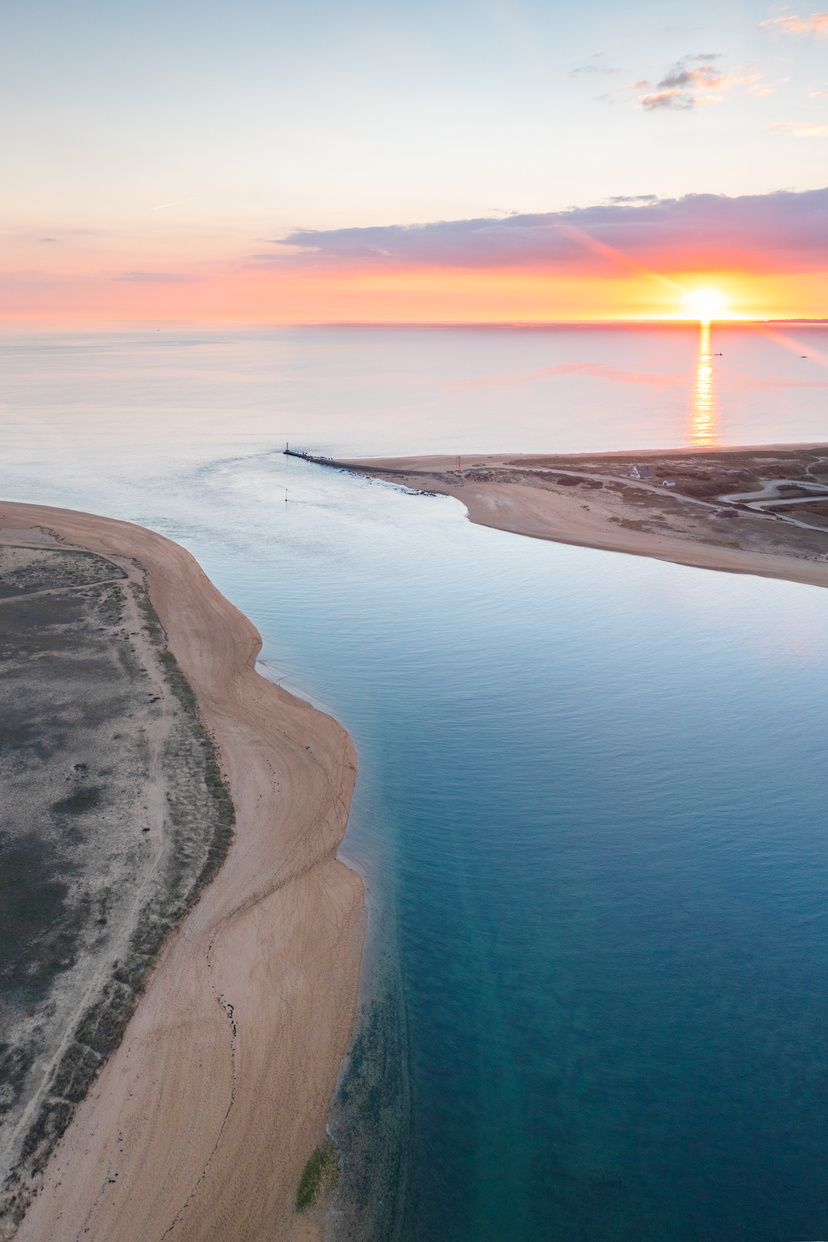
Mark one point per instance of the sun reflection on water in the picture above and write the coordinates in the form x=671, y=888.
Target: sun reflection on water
x=703, y=429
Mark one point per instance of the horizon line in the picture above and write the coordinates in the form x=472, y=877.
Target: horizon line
x=17, y=323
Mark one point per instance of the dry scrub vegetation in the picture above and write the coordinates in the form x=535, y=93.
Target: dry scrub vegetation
x=114, y=815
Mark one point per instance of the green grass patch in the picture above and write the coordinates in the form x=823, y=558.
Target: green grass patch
x=152, y=621
x=321, y=1176
x=223, y=809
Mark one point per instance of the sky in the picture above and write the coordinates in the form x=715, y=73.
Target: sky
x=377, y=160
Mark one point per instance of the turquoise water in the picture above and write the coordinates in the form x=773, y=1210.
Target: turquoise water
x=592, y=795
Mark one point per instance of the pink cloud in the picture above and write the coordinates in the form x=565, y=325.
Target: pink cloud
x=666, y=99
x=814, y=23
x=802, y=129
x=156, y=278
x=683, y=86
x=782, y=231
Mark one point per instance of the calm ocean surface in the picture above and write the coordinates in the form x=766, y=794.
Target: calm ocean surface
x=592, y=800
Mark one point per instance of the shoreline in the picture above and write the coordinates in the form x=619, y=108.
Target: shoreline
x=542, y=511
x=202, y=1121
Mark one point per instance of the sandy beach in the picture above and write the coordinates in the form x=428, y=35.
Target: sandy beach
x=201, y=1123
x=595, y=521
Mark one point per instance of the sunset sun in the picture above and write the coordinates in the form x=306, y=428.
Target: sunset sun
x=706, y=303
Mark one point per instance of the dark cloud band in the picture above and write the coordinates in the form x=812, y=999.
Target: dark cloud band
x=779, y=231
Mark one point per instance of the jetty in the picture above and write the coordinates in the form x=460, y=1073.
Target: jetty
x=350, y=467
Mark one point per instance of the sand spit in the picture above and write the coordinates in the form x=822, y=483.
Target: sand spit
x=202, y=1122
x=608, y=510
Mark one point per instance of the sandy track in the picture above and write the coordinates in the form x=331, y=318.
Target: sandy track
x=201, y=1123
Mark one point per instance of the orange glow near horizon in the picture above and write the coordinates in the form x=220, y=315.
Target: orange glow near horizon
x=103, y=287
x=203, y=276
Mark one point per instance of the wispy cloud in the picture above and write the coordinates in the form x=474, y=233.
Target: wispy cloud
x=176, y=202
x=158, y=278
x=801, y=129
x=813, y=23
x=280, y=248
x=690, y=81
x=683, y=86
x=594, y=65
x=779, y=231
x=762, y=89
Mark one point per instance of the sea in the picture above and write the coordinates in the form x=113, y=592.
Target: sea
x=592, y=805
